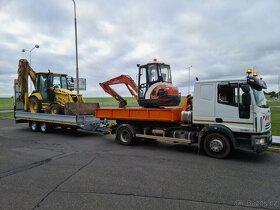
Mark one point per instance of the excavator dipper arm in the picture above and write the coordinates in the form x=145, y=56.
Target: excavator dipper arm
x=122, y=79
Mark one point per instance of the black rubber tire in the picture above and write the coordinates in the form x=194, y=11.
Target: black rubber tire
x=35, y=126
x=124, y=136
x=217, y=145
x=35, y=106
x=45, y=127
x=55, y=109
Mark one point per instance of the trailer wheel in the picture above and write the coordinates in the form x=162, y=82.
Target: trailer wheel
x=45, y=127
x=217, y=145
x=124, y=136
x=34, y=126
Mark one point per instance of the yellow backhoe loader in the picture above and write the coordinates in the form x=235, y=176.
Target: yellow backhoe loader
x=52, y=93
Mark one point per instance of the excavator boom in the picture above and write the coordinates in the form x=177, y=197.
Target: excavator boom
x=122, y=79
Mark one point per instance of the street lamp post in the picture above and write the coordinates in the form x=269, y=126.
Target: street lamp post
x=25, y=50
x=76, y=43
x=189, y=69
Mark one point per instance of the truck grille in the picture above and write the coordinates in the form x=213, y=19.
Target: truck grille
x=267, y=126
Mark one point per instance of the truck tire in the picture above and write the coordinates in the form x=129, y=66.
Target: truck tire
x=45, y=127
x=34, y=126
x=217, y=145
x=124, y=136
x=35, y=106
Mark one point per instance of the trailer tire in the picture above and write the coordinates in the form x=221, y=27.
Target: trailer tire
x=217, y=145
x=124, y=136
x=45, y=127
x=34, y=126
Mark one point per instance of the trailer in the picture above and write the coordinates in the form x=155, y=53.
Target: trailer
x=45, y=122
x=74, y=119
x=221, y=116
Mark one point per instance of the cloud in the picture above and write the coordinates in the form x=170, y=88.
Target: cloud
x=218, y=38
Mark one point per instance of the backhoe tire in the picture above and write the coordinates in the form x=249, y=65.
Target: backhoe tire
x=35, y=106
x=55, y=109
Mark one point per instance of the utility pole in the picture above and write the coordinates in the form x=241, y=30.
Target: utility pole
x=189, y=69
x=278, y=86
x=76, y=44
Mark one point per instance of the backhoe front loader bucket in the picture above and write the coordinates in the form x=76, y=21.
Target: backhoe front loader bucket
x=80, y=108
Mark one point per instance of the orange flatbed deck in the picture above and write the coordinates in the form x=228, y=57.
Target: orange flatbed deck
x=172, y=114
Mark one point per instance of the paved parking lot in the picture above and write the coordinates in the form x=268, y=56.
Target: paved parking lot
x=79, y=170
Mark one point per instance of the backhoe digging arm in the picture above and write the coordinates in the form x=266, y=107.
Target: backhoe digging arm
x=25, y=71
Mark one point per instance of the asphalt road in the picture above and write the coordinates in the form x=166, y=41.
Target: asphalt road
x=79, y=170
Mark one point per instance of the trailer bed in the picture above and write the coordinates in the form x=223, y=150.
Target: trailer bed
x=86, y=122
x=172, y=114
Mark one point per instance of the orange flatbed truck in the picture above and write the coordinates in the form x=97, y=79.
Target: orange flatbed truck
x=223, y=115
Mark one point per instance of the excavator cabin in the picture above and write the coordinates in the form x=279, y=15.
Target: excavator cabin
x=155, y=86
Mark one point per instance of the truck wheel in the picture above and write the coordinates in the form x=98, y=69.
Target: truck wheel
x=124, y=136
x=34, y=126
x=35, y=106
x=217, y=145
x=55, y=109
x=45, y=127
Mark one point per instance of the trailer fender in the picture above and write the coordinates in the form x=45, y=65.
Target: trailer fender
x=130, y=127
x=218, y=129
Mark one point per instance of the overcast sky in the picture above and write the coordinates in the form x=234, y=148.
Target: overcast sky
x=219, y=38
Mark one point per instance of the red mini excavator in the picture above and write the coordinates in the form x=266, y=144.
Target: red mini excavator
x=154, y=88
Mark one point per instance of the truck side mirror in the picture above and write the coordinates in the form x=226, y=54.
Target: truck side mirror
x=72, y=80
x=245, y=88
x=246, y=99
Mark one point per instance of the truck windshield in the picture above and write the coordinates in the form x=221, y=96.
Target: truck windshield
x=260, y=98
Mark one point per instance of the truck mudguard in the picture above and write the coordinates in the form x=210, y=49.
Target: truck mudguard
x=217, y=129
x=130, y=127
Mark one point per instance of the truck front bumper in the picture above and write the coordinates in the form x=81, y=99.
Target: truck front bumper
x=260, y=142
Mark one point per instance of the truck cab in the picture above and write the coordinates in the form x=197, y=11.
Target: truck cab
x=236, y=107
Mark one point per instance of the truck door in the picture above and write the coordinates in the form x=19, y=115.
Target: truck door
x=228, y=109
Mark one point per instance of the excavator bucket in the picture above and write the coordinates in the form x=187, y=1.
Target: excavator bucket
x=80, y=108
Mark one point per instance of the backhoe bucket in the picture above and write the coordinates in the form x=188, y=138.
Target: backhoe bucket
x=80, y=108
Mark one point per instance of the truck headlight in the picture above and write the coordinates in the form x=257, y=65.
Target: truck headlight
x=260, y=141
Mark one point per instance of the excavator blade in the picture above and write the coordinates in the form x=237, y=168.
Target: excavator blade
x=80, y=108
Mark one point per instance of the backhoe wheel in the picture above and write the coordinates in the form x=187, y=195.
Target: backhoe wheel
x=35, y=106
x=55, y=109
x=45, y=127
x=124, y=136
x=217, y=145
x=34, y=126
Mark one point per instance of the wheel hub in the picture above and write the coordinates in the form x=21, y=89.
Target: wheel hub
x=216, y=145
x=125, y=136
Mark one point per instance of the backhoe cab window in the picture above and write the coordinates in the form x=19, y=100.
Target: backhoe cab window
x=59, y=82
